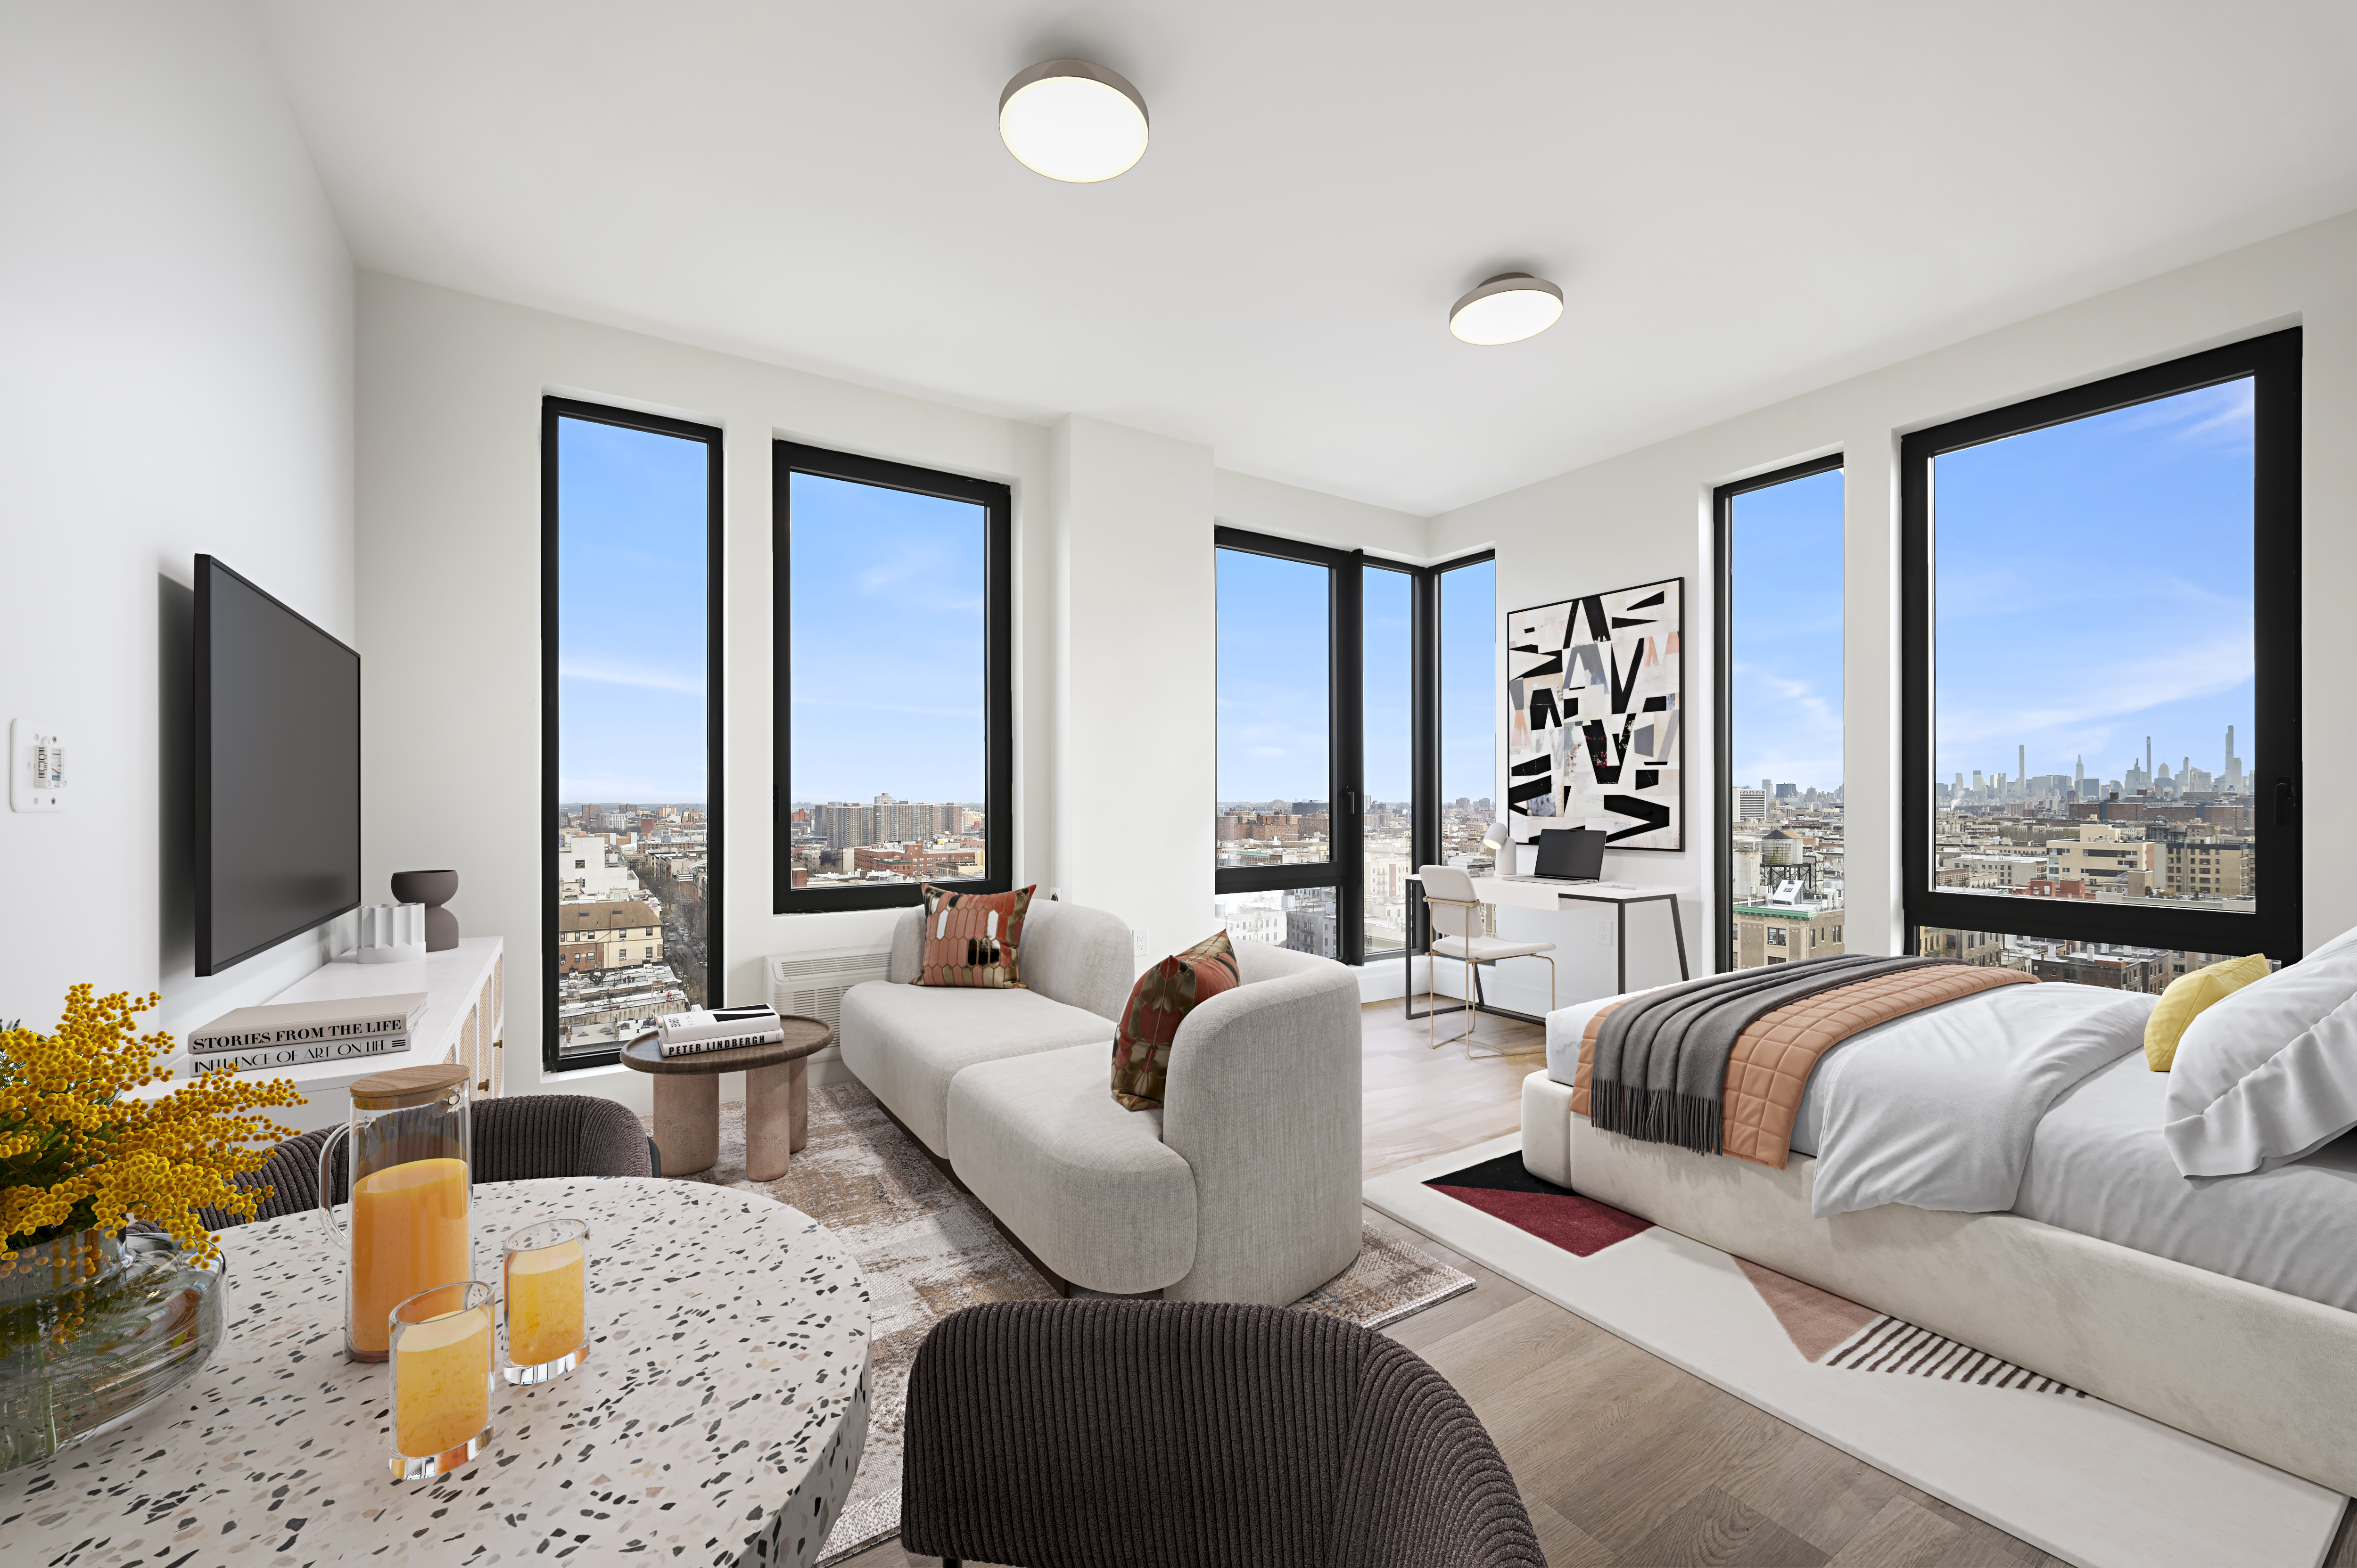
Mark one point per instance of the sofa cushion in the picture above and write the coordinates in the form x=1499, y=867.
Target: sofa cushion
x=1089, y=1187
x=906, y=1042
x=1158, y=1004
x=974, y=939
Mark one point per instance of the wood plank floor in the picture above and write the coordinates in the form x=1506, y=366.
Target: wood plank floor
x=1625, y=1461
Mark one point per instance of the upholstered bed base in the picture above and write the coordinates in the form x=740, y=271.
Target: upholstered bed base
x=2255, y=1370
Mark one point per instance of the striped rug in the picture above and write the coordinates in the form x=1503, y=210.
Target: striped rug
x=1893, y=1345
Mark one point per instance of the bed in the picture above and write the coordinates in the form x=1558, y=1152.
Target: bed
x=2225, y=1306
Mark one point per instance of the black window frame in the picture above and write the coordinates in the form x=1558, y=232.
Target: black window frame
x=1722, y=581
x=2272, y=362
x=553, y=1061
x=1345, y=869
x=997, y=499
x=1430, y=718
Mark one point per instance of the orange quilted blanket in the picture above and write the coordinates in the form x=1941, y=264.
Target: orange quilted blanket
x=1773, y=1058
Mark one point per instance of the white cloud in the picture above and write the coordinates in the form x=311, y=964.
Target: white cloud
x=610, y=673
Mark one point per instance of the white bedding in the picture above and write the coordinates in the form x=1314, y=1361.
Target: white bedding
x=2100, y=1165
x=1936, y=1109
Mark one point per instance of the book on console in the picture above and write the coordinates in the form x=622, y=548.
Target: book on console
x=267, y=1056
x=294, y=1025
x=721, y=1041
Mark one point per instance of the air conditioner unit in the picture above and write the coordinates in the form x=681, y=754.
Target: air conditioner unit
x=810, y=984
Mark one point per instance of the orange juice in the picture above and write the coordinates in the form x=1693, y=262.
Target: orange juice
x=547, y=1310
x=442, y=1384
x=409, y=1234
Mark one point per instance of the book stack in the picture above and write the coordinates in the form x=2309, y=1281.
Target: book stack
x=721, y=1029
x=298, y=1034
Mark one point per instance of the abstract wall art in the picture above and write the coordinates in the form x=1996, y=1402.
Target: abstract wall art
x=1595, y=716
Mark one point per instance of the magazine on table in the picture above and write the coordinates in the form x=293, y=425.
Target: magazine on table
x=717, y=1029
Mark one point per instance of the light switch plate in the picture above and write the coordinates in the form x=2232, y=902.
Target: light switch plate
x=37, y=767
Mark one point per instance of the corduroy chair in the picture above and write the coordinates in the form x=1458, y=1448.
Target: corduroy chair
x=1195, y=1434
x=515, y=1139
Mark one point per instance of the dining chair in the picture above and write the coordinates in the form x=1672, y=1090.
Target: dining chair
x=1178, y=1434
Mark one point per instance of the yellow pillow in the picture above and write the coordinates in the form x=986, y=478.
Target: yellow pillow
x=2186, y=996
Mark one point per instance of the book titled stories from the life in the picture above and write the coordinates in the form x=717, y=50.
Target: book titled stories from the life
x=267, y=1056
x=301, y=1026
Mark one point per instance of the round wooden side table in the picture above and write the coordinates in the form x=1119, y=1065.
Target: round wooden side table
x=777, y=1098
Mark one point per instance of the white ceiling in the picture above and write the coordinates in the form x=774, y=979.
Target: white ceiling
x=1740, y=201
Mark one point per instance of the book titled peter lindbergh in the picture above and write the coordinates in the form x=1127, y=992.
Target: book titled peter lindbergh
x=292, y=1034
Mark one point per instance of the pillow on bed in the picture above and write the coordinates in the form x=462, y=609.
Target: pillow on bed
x=2270, y=1073
x=2187, y=996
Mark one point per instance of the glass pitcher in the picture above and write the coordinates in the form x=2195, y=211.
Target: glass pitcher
x=412, y=1176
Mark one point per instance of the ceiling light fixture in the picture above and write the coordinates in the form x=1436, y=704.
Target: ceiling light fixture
x=1506, y=309
x=1072, y=121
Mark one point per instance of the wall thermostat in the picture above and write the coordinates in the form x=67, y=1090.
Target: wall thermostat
x=37, y=767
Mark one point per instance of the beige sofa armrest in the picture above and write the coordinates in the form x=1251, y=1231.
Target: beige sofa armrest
x=1262, y=1103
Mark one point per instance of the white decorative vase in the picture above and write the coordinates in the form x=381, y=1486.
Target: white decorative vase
x=391, y=933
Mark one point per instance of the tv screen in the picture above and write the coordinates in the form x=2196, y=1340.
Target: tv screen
x=277, y=792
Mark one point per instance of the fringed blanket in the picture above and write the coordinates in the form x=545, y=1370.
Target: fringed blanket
x=1717, y=1065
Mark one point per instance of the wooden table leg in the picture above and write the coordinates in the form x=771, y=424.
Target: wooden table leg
x=687, y=1121
x=769, y=1131
x=798, y=1100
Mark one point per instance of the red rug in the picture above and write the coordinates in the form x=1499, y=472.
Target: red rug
x=1503, y=1189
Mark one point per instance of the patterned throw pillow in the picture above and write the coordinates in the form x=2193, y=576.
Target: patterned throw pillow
x=1158, y=1004
x=974, y=938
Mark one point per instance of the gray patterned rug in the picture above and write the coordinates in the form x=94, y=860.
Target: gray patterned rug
x=925, y=1250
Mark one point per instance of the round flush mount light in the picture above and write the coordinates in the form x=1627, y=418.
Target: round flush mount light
x=1072, y=121
x=1506, y=309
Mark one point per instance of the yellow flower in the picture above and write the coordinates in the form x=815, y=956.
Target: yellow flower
x=76, y=1152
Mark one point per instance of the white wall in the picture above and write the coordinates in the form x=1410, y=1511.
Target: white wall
x=450, y=390
x=1646, y=515
x=176, y=303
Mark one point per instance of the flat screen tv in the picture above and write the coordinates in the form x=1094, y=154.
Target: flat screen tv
x=278, y=796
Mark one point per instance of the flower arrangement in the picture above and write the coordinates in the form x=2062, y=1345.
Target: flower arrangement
x=77, y=1154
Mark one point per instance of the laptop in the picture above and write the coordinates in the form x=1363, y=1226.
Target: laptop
x=1570, y=854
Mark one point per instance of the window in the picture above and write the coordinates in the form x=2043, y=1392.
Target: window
x=1469, y=694
x=895, y=696
x=630, y=721
x=1289, y=854
x=2101, y=683
x=1335, y=738
x=1779, y=675
x=1387, y=826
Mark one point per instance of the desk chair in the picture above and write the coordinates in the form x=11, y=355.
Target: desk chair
x=1456, y=916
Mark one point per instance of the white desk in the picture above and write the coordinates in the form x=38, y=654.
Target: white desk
x=1537, y=893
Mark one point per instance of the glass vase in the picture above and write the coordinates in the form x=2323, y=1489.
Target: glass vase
x=93, y=1330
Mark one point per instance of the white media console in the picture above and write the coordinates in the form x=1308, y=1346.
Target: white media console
x=464, y=1021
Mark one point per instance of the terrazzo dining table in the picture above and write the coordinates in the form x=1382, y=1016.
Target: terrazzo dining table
x=719, y=1418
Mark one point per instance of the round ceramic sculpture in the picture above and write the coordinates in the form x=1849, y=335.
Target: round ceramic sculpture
x=432, y=889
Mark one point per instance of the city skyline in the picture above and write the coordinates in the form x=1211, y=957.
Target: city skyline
x=2094, y=586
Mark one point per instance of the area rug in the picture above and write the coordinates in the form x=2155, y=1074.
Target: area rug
x=2086, y=1481
x=925, y=1250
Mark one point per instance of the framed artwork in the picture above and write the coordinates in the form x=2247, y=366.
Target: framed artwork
x=1595, y=716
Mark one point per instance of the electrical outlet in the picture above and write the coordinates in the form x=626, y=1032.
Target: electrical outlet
x=37, y=767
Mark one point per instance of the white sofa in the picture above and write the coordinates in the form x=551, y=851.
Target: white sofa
x=906, y=1042
x=1243, y=1187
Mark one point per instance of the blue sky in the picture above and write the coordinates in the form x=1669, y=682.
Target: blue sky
x=2094, y=586
x=631, y=594
x=1786, y=603
x=1273, y=680
x=887, y=615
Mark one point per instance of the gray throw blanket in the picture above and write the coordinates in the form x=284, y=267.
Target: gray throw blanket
x=1660, y=1072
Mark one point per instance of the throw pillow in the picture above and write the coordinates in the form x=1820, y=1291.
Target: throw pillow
x=2267, y=1075
x=974, y=938
x=1158, y=1004
x=2187, y=997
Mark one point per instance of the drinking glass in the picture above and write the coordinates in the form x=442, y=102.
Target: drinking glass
x=547, y=1291
x=441, y=1379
